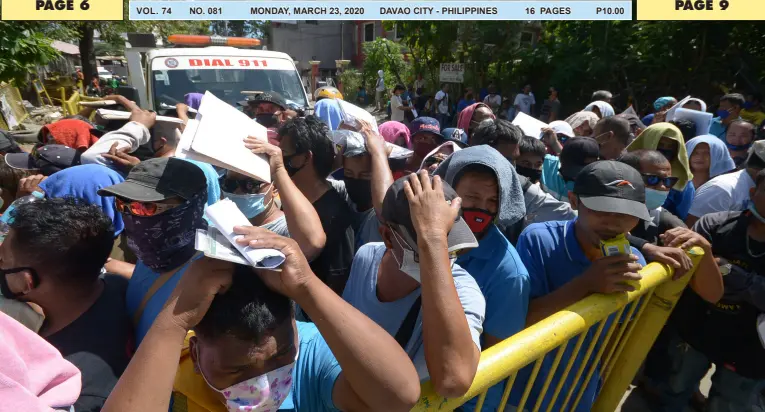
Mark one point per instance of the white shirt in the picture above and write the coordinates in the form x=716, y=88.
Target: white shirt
x=728, y=192
x=419, y=84
x=443, y=107
x=380, y=84
x=493, y=101
x=524, y=101
x=396, y=114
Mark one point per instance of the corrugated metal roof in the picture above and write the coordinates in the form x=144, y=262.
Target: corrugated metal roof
x=66, y=48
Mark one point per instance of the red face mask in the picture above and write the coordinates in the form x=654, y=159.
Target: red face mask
x=477, y=219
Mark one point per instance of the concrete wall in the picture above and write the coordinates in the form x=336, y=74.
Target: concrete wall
x=307, y=41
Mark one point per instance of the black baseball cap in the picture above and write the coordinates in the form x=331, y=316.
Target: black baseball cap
x=611, y=186
x=159, y=179
x=8, y=144
x=47, y=159
x=577, y=153
x=266, y=97
x=395, y=212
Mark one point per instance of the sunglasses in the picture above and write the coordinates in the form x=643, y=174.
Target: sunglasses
x=653, y=180
x=142, y=209
x=248, y=186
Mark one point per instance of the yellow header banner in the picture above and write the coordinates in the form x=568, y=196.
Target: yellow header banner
x=57, y=10
x=701, y=9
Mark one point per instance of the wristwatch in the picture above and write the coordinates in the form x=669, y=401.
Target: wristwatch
x=725, y=269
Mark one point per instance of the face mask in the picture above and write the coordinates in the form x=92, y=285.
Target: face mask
x=668, y=154
x=5, y=290
x=408, y=263
x=722, y=114
x=360, y=192
x=755, y=213
x=478, y=220
x=748, y=105
x=250, y=204
x=533, y=174
x=654, y=198
x=259, y=394
x=166, y=241
x=266, y=119
x=291, y=170
x=422, y=150
x=738, y=147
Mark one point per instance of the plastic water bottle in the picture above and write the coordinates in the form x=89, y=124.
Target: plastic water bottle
x=6, y=219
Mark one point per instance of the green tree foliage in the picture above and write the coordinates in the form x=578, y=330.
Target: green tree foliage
x=22, y=48
x=240, y=28
x=638, y=61
x=383, y=54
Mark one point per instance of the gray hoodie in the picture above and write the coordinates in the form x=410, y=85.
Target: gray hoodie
x=512, y=207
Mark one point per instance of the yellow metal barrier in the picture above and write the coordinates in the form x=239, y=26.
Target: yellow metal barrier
x=72, y=105
x=640, y=316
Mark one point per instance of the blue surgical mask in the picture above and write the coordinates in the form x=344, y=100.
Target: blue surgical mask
x=738, y=148
x=722, y=114
x=655, y=198
x=755, y=213
x=251, y=204
x=748, y=105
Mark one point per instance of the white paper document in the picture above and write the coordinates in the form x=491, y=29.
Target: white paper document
x=123, y=115
x=217, y=136
x=213, y=244
x=351, y=113
x=531, y=127
x=224, y=215
x=702, y=119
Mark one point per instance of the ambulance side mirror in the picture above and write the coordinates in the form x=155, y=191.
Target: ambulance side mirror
x=129, y=92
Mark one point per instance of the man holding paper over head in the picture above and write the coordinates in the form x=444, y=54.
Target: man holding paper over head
x=114, y=149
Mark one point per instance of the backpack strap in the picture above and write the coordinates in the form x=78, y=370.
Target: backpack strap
x=407, y=326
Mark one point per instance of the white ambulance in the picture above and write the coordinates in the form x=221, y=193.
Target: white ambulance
x=215, y=64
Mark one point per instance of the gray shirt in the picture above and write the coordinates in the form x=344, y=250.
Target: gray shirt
x=278, y=226
x=361, y=292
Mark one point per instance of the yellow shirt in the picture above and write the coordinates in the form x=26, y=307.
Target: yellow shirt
x=754, y=117
x=190, y=391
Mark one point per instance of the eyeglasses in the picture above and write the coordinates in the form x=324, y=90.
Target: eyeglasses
x=142, y=209
x=653, y=180
x=248, y=186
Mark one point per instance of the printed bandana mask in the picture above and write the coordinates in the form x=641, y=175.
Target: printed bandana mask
x=165, y=241
x=264, y=393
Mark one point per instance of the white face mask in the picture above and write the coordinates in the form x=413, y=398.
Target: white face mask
x=410, y=264
x=259, y=394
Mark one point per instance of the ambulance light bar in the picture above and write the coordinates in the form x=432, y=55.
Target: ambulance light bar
x=192, y=40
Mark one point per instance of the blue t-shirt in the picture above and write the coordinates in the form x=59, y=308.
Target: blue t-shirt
x=464, y=103
x=504, y=281
x=552, y=179
x=718, y=129
x=211, y=176
x=314, y=375
x=361, y=293
x=679, y=201
x=139, y=285
x=553, y=258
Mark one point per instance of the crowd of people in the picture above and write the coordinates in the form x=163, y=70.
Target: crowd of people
x=398, y=270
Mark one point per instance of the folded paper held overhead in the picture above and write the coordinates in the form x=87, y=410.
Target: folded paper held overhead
x=531, y=127
x=225, y=215
x=216, y=136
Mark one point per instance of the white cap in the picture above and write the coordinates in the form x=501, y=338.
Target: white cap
x=563, y=128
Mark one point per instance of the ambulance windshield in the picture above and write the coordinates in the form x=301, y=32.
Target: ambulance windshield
x=170, y=86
